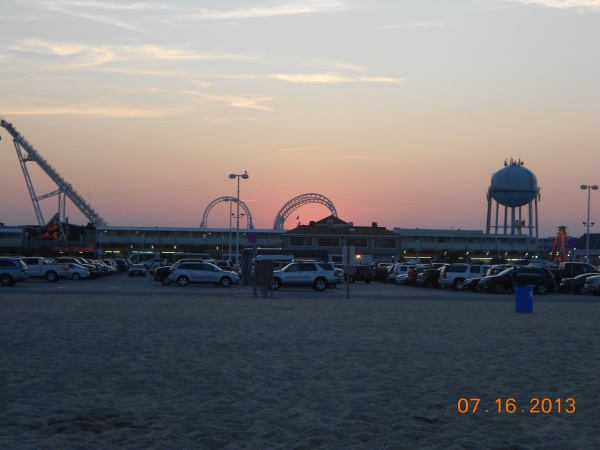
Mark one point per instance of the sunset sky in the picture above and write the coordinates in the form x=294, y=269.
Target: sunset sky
x=398, y=111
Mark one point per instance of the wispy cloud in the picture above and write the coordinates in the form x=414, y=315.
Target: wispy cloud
x=95, y=111
x=95, y=55
x=104, y=12
x=331, y=78
x=562, y=4
x=237, y=101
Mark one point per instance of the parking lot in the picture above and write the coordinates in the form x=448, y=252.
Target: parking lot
x=122, y=286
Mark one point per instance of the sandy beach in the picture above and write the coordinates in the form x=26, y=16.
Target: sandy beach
x=218, y=369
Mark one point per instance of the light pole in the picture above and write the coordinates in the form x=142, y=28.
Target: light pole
x=587, y=238
x=245, y=176
x=229, y=200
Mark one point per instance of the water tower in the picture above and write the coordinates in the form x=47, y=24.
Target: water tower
x=512, y=188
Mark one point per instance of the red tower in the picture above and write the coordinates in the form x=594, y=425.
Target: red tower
x=559, y=247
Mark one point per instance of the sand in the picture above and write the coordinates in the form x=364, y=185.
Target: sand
x=230, y=371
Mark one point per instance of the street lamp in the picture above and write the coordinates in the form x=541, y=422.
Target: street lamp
x=587, y=239
x=233, y=176
x=229, y=200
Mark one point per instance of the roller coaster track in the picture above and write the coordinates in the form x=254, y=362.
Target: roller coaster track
x=64, y=188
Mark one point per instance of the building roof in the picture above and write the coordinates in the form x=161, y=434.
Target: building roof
x=334, y=226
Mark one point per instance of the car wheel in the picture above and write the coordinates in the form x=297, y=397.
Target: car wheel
x=276, y=284
x=6, y=280
x=541, y=289
x=75, y=276
x=367, y=281
x=51, y=277
x=320, y=284
x=182, y=281
x=582, y=290
x=351, y=279
x=458, y=284
x=225, y=282
x=498, y=289
x=166, y=281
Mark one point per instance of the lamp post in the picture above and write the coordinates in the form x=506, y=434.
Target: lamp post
x=587, y=238
x=233, y=176
x=229, y=200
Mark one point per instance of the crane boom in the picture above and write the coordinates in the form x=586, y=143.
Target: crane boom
x=63, y=187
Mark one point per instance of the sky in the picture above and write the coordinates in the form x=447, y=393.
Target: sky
x=397, y=111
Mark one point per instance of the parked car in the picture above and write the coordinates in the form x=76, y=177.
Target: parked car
x=471, y=284
x=161, y=274
x=381, y=272
x=540, y=278
x=122, y=264
x=592, y=285
x=137, y=270
x=153, y=263
x=430, y=277
x=91, y=268
x=77, y=271
x=12, y=270
x=317, y=275
x=359, y=272
x=453, y=275
x=184, y=273
x=576, y=284
x=396, y=269
x=411, y=277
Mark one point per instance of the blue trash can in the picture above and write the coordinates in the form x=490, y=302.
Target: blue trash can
x=524, y=299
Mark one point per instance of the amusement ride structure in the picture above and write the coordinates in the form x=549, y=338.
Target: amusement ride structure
x=559, y=247
x=27, y=153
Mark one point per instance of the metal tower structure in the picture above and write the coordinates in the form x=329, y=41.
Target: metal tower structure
x=559, y=249
x=204, y=223
x=299, y=201
x=64, y=189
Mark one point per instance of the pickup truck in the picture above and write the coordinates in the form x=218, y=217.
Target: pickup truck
x=38, y=267
x=572, y=269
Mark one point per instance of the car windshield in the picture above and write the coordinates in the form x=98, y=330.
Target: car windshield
x=506, y=271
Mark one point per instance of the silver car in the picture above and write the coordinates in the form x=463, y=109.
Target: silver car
x=184, y=273
x=12, y=270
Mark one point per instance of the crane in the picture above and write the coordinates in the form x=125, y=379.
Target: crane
x=26, y=153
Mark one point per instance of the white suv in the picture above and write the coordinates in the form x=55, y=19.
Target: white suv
x=453, y=275
x=318, y=275
x=184, y=273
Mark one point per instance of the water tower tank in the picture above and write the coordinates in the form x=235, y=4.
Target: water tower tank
x=514, y=185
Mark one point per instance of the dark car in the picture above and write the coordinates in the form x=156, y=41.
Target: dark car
x=471, y=284
x=137, y=270
x=576, y=284
x=162, y=274
x=359, y=272
x=540, y=278
x=430, y=277
x=413, y=274
x=122, y=265
x=381, y=272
